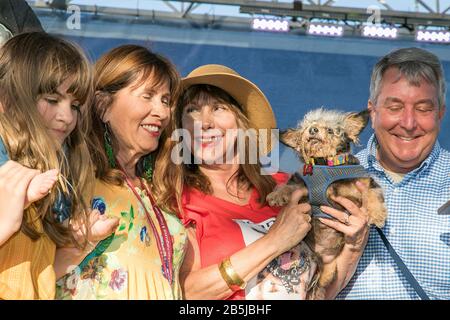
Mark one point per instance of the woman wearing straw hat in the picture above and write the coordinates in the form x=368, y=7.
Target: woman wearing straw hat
x=222, y=195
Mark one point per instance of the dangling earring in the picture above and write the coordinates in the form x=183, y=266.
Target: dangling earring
x=148, y=166
x=62, y=206
x=108, y=147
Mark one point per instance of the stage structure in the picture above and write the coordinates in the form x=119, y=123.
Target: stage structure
x=430, y=21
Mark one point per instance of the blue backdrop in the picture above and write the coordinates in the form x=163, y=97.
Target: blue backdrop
x=294, y=81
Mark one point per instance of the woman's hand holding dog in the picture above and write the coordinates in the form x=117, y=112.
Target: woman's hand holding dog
x=292, y=223
x=354, y=226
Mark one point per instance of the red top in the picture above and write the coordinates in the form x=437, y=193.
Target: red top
x=219, y=235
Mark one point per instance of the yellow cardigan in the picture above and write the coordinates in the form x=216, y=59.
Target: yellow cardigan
x=26, y=267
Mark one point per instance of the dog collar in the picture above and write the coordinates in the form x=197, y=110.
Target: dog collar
x=338, y=160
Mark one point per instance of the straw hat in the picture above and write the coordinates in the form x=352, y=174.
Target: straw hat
x=253, y=102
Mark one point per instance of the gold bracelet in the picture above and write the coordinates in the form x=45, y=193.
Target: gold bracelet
x=233, y=280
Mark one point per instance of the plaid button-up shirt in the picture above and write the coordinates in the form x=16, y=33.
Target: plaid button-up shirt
x=419, y=234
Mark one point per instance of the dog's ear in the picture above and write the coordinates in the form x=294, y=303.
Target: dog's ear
x=288, y=137
x=355, y=123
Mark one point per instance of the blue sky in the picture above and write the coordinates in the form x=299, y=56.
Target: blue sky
x=404, y=5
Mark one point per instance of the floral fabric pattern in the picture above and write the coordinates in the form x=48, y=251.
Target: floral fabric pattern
x=127, y=264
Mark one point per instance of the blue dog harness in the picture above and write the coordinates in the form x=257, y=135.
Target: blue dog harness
x=319, y=177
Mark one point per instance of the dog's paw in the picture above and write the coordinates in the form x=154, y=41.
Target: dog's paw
x=280, y=196
x=380, y=218
x=275, y=199
x=376, y=208
x=317, y=293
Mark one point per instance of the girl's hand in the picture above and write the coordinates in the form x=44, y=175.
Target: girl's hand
x=14, y=182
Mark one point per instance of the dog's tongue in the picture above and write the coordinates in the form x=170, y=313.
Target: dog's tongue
x=285, y=260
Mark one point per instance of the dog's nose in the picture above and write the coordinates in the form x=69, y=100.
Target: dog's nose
x=313, y=131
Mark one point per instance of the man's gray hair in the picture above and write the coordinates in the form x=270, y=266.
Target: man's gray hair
x=414, y=64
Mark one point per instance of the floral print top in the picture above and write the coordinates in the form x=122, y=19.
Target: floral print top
x=127, y=264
